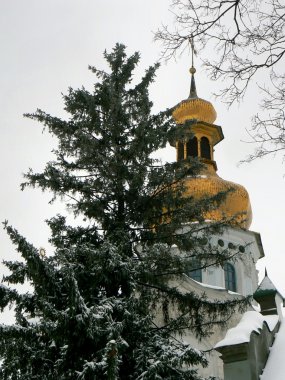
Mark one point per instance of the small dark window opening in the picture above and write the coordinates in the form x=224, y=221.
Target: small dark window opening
x=205, y=148
x=221, y=243
x=196, y=272
x=241, y=248
x=192, y=147
x=230, y=277
x=180, y=151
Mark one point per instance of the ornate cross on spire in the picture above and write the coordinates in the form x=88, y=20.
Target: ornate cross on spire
x=193, y=92
x=193, y=50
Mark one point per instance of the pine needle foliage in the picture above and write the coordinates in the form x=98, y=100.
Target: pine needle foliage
x=101, y=306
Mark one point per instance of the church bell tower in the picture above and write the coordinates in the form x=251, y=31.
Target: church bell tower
x=204, y=135
x=197, y=137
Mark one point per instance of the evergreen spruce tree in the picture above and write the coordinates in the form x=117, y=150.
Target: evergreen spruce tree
x=105, y=305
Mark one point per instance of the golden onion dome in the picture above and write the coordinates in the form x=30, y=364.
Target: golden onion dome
x=194, y=107
x=235, y=209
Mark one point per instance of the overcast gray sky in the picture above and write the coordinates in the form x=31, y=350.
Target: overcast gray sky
x=46, y=46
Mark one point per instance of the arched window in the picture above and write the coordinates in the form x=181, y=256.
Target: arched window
x=180, y=148
x=195, y=272
x=205, y=148
x=192, y=147
x=230, y=277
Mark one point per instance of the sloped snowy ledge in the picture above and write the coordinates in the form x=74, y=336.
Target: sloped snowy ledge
x=275, y=366
x=245, y=348
x=251, y=321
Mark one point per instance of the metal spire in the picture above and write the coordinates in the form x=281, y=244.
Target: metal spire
x=193, y=92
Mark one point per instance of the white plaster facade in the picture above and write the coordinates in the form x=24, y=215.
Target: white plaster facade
x=245, y=267
x=213, y=284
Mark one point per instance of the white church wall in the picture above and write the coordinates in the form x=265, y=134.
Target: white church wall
x=215, y=367
x=243, y=262
x=247, y=248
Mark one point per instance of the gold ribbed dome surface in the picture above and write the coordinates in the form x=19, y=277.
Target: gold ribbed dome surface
x=194, y=108
x=235, y=208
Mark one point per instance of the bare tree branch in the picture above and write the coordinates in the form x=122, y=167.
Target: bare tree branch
x=245, y=37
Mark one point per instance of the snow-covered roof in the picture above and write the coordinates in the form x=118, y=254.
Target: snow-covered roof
x=265, y=288
x=216, y=287
x=186, y=284
x=251, y=321
x=275, y=366
x=266, y=284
